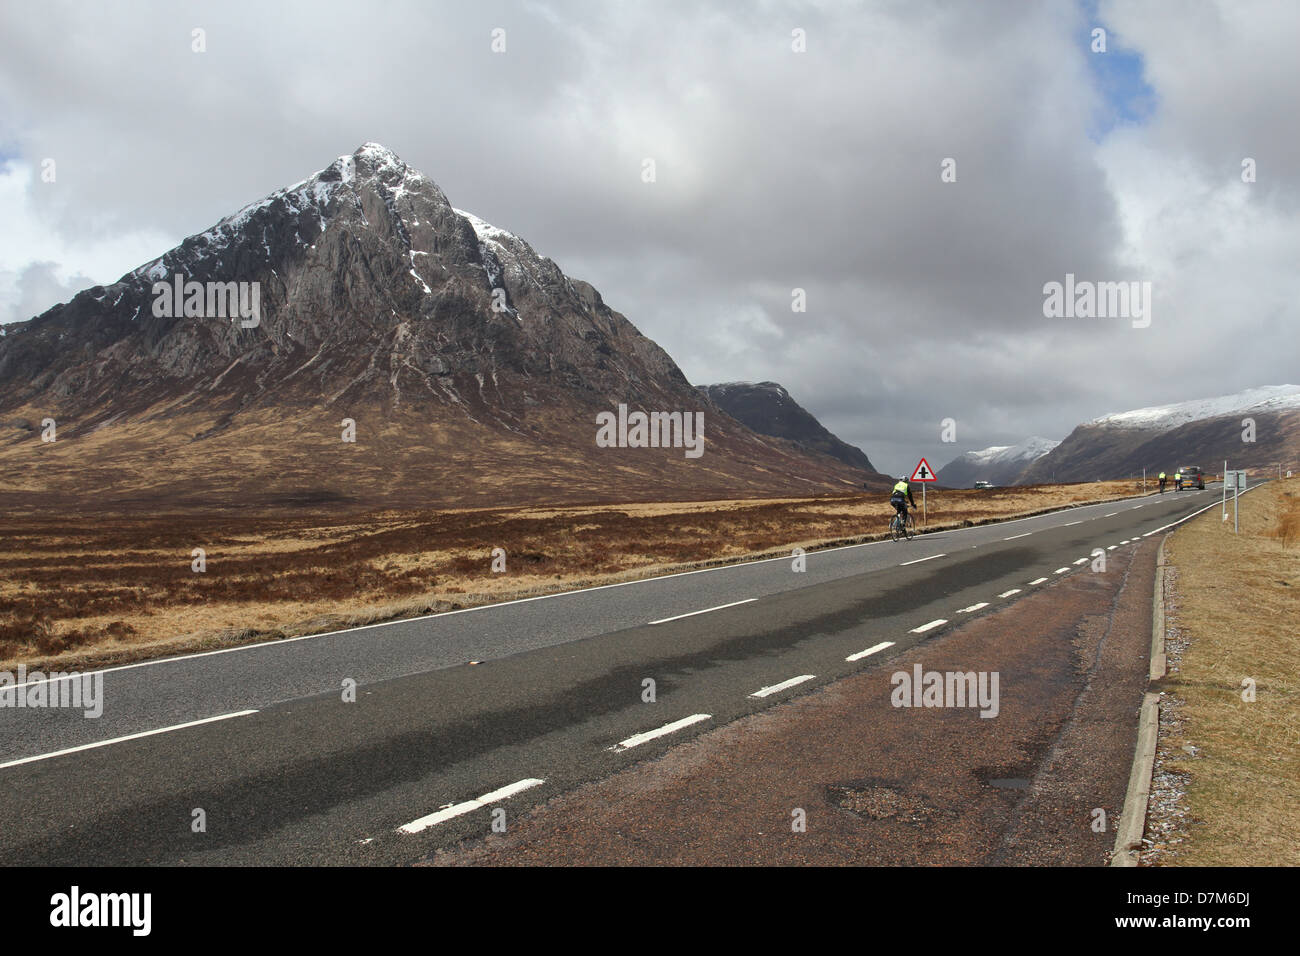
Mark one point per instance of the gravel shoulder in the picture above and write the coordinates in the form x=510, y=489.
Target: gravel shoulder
x=878, y=784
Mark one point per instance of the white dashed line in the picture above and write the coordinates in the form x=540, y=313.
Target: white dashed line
x=1007, y=594
x=1071, y=524
x=1112, y=547
x=1060, y=570
x=766, y=691
x=973, y=608
x=928, y=627
x=876, y=649
x=1038, y=580
x=638, y=739
x=1125, y=541
x=1082, y=561
x=919, y=560
x=1111, y=515
x=455, y=810
x=118, y=740
x=1014, y=536
x=665, y=620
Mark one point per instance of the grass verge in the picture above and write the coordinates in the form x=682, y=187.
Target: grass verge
x=1227, y=778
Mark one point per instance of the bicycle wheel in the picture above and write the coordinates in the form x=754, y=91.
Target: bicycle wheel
x=911, y=528
x=895, y=530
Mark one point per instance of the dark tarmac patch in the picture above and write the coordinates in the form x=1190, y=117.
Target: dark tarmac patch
x=1005, y=778
x=872, y=800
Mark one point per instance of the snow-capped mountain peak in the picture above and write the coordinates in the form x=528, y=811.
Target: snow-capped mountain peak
x=1165, y=417
x=999, y=464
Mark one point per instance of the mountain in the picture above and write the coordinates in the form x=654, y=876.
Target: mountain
x=471, y=368
x=999, y=465
x=768, y=409
x=1203, y=432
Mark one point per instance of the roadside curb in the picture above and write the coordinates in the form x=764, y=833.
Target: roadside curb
x=1159, y=664
x=1133, y=819
x=1132, y=822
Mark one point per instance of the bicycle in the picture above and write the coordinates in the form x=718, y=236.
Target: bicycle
x=898, y=526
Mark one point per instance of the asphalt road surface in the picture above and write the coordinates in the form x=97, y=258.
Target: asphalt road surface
x=252, y=755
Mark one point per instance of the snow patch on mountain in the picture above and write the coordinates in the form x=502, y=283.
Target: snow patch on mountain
x=1027, y=450
x=1165, y=417
x=772, y=387
x=485, y=231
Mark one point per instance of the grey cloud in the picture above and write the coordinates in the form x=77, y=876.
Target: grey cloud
x=818, y=170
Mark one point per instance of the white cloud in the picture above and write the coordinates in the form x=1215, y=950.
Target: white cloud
x=41, y=263
x=776, y=169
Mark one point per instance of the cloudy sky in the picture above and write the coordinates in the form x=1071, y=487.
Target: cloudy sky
x=775, y=169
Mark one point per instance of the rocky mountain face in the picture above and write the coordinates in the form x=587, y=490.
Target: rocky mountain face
x=471, y=368
x=768, y=409
x=998, y=465
x=1203, y=432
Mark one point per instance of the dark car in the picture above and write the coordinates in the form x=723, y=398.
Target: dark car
x=1193, y=476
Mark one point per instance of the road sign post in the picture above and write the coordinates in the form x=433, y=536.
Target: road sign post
x=1237, y=481
x=924, y=474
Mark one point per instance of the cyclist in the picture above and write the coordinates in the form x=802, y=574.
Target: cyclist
x=901, y=496
x=1162, y=482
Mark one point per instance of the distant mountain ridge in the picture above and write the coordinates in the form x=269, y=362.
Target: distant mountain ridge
x=999, y=464
x=1202, y=432
x=768, y=409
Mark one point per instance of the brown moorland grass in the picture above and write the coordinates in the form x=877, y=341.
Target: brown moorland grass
x=83, y=590
x=1236, y=600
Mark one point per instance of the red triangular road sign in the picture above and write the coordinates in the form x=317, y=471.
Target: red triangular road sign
x=924, y=472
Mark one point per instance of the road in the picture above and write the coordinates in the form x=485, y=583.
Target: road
x=282, y=770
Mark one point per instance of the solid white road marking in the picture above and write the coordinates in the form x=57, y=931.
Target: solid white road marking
x=118, y=740
x=1014, y=536
x=973, y=608
x=919, y=560
x=783, y=685
x=1007, y=594
x=1181, y=520
x=455, y=810
x=1038, y=580
x=637, y=739
x=665, y=620
x=928, y=627
x=875, y=649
